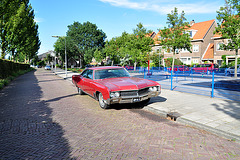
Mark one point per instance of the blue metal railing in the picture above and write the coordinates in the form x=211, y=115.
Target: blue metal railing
x=212, y=84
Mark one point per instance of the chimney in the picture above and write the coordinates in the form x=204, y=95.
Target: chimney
x=192, y=22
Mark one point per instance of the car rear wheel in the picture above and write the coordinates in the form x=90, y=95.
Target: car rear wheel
x=102, y=102
x=80, y=92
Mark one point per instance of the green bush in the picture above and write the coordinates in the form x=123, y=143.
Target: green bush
x=7, y=79
x=168, y=62
x=7, y=68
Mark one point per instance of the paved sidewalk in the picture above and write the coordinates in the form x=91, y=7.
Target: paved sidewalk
x=219, y=116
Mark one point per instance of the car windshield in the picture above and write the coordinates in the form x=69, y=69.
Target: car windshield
x=111, y=73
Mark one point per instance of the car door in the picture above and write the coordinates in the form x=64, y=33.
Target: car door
x=83, y=80
x=87, y=81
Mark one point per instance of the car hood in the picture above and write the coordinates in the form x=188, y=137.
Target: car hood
x=127, y=83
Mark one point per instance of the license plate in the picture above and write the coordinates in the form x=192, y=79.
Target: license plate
x=136, y=99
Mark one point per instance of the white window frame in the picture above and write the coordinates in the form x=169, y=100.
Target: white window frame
x=196, y=48
x=195, y=61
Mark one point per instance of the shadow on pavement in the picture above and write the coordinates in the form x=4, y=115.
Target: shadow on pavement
x=232, y=109
x=139, y=105
x=27, y=130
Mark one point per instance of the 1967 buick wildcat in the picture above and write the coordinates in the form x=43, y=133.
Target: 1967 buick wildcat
x=110, y=85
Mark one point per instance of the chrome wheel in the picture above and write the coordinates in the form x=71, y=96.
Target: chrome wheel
x=102, y=102
x=80, y=92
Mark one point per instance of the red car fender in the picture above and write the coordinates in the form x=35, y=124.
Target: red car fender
x=76, y=79
x=103, y=89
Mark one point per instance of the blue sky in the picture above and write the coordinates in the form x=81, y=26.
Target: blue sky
x=113, y=16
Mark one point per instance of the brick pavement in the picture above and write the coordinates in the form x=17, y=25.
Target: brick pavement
x=42, y=117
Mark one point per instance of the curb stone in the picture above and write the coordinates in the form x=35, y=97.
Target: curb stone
x=229, y=136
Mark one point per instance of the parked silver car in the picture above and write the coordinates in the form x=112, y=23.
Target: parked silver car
x=230, y=70
x=47, y=68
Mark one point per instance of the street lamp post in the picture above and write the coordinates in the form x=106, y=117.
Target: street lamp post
x=55, y=64
x=65, y=56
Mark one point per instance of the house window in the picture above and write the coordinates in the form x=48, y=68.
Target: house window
x=219, y=62
x=190, y=33
x=195, y=60
x=195, y=48
x=185, y=60
x=219, y=46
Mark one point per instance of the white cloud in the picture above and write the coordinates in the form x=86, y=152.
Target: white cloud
x=126, y=4
x=38, y=20
x=165, y=7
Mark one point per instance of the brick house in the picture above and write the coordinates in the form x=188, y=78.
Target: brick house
x=218, y=52
x=203, y=44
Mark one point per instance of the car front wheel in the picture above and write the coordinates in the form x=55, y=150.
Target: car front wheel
x=80, y=92
x=102, y=102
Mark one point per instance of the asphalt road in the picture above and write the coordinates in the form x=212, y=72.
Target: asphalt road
x=42, y=117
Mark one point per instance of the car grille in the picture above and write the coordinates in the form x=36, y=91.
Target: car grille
x=134, y=93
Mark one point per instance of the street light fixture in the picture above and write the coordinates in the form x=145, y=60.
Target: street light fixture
x=65, y=55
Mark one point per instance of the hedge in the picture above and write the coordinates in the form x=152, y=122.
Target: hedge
x=8, y=68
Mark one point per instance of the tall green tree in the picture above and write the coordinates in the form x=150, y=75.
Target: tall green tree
x=71, y=49
x=117, y=47
x=140, y=45
x=136, y=46
x=175, y=36
x=87, y=38
x=229, y=27
x=98, y=55
x=18, y=31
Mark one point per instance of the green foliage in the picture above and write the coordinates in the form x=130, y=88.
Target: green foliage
x=125, y=60
x=136, y=46
x=169, y=62
x=8, y=68
x=228, y=26
x=41, y=63
x=86, y=38
x=175, y=36
x=98, y=55
x=156, y=59
x=48, y=59
x=18, y=31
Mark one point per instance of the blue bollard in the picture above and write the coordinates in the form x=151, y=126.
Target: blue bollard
x=171, y=80
x=212, y=93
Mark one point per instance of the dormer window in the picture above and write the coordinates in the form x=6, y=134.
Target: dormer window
x=191, y=33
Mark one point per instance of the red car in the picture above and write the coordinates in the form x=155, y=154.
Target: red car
x=205, y=67
x=113, y=84
x=129, y=67
x=180, y=68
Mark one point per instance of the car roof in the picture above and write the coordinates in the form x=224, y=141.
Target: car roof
x=105, y=67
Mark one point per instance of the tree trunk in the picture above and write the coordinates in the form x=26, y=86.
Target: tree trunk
x=135, y=65
x=80, y=61
x=236, y=60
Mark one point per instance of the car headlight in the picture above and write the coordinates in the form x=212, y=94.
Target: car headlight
x=114, y=94
x=153, y=89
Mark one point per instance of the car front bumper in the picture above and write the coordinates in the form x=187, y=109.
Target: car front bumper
x=133, y=99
